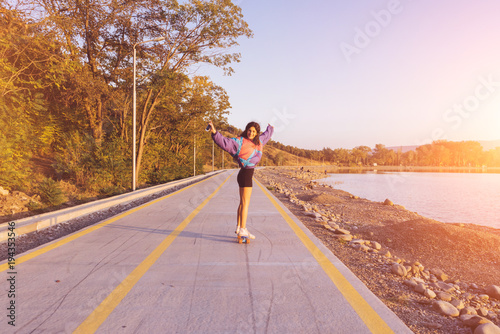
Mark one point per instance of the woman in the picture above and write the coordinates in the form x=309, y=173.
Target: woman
x=247, y=150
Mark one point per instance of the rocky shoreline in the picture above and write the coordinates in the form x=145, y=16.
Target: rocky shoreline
x=437, y=277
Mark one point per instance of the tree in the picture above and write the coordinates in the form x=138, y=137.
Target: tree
x=327, y=154
x=30, y=56
x=31, y=69
x=95, y=35
x=183, y=111
x=341, y=155
x=493, y=157
x=409, y=158
x=360, y=154
x=194, y=32
x=100, y=36
x=381, y=154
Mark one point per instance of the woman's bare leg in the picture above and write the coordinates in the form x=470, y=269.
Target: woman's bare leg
x=245, y=194
x=239, y=217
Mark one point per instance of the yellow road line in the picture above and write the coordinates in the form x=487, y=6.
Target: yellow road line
x=101, y=313
x=371, y=319
x=72, y=237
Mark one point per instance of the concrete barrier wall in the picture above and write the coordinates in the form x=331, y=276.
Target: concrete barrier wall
x=43, y=221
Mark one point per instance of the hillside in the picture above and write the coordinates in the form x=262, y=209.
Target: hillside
x=277, y=157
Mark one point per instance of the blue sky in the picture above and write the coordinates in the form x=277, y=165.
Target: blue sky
x=395, y=72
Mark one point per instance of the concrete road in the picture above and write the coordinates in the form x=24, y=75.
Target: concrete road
x=173, y=266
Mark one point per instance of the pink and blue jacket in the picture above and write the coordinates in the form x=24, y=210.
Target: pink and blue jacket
x=242, y=149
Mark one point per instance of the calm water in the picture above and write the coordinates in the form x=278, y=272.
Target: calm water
x=447, y=197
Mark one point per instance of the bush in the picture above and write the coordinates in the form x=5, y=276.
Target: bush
x=111, y=191
x=14, y=165
x=74, y=160
x=50, y=192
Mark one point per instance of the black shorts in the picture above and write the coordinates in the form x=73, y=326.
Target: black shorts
x=245, y=177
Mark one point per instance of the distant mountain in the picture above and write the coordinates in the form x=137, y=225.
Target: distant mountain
x=486, y=144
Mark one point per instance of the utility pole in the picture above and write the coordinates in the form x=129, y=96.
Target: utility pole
x=194, y=156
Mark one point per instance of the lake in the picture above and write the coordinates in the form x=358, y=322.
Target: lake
x=447, y=197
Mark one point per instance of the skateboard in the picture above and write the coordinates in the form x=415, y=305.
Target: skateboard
x=243, y=240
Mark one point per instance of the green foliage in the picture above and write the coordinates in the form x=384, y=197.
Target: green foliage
x=111, y=165
x=30, y=56
x=94, y=167
x=446, y=153
x=278, y=161
x=111, y=191
x=50, y=192
x=15, y=151
x=32, y=206
x=74, y=157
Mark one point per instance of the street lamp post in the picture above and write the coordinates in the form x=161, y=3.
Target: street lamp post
x=194, y=155
x=134, y=120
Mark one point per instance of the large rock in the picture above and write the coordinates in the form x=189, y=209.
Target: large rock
x=398, y=269
x=313, y=215
x=473, y=321
x=439, y=274
x=430, y=294
x=443, y=286
x=410, y=283
x=420, y=288
x=445, y=308
x=482, y=311
x=342, y=231
x=333, y=225
x=388, y=202
x=345, y=237
x=468, y=310
x=487, y=329
x=364, y=248
x=484, y=297
x=493, y=291
x=444, y=296
x=459, y=304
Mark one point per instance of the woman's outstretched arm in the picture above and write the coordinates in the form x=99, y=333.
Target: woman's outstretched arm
x=266, y=135
x=227, y=144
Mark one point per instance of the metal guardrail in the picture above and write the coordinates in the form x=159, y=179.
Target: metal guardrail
x=46, y=220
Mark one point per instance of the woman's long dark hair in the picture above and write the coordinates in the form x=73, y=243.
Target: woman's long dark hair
x=256, y=139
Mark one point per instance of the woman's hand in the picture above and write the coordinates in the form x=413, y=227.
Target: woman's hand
x=212, y=127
